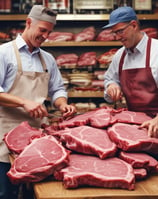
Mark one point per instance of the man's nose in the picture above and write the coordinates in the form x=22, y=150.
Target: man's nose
x=45, y=35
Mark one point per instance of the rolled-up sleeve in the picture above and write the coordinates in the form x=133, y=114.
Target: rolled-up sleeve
x=56, y=86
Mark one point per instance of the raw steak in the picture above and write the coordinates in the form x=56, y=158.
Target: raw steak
x=38, y=160
x=77, y=120
x=98, y=118
x=105, y=116
x=60, y=36
x=88, y=140
x=87, y=34
x=91, y=171
x=124, y=116
x=67, y=60
x=18, y=138
x=106, y=57
x=105, y=35
x=140, y=174
x=140, y=160
x=101, y=118
x=87, y=59
x=131, y=138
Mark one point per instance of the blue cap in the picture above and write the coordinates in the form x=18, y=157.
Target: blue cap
x=121, y=14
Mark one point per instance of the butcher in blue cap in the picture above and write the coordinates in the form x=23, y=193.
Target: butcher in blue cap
x=133, y=72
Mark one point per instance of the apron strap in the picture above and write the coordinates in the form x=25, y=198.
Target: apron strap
x=43, y=62
x=121, y=62
x=148, y=52
x=147, y=56
x=17, y=54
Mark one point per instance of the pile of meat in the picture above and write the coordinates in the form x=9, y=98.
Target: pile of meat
x=72, y=60
x=104, y=147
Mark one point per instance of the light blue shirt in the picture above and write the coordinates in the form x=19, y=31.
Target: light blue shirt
x=30, y=62
x=134, y=59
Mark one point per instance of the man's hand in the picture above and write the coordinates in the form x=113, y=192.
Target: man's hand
x=114, y=92
x=67, y=110
x=152, y=126
x=35, y=110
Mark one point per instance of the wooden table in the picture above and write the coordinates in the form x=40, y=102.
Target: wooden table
x=145, y=189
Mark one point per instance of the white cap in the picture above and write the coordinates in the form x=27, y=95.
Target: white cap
x=43, y=14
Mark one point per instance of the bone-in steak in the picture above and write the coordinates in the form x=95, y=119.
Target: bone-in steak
x=98, y=118
x=88, y=140
x=19, y=137
x=140, y=160
x=132, y=138
x=124, y=116
x=38, y=160
x=91, y=171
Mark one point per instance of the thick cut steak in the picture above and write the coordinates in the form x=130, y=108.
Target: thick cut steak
x=19, y=137
x=105, y=116
x=38, y=160
x=87, y=34
x=140, y=174
x=60, y=36
x=140, y=160
x=101, y=118
x=88, y=140
x=124, y=116
x=69, y=59
x=87, y=59
x=131, y=138
x=98, y=118
x=91, y=171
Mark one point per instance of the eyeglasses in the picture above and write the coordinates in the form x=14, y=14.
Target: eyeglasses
x=121, y=31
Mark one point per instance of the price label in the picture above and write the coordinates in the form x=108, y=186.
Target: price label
x=142, y=4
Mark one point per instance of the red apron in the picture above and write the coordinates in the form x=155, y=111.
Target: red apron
x=139, y=87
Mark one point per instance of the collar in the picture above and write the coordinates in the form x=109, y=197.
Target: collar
x=141, y=46
x=21, y=44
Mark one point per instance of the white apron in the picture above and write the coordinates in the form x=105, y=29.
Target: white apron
x=29, y=85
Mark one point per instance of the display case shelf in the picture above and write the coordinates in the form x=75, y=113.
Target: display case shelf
x=84, y=43
x=75, y=17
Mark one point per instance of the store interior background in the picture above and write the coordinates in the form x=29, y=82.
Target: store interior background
x=84, y=81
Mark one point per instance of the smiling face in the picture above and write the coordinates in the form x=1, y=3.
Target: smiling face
x=128, y=33
x=36, y=32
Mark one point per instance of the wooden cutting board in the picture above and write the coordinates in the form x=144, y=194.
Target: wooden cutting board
x=145, y=189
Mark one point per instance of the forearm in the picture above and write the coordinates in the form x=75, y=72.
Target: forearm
x=59, y=102
x=36, y=110
x=9, y=100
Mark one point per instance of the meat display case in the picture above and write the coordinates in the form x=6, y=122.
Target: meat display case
x=75, y=23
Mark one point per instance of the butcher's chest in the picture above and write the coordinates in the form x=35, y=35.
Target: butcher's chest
x=146, y=189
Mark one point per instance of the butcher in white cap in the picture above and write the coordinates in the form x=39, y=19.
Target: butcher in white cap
x=28, y=76
x=133, y=72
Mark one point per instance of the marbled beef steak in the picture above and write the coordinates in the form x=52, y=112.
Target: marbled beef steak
x=84, y=170
x=21, y=136
x=131, y=138
x=38, y=160
x=88, y=140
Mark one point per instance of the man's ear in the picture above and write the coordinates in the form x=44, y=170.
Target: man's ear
x=28, y=22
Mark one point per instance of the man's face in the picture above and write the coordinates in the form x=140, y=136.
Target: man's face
x=125, y=33
x=38, y=32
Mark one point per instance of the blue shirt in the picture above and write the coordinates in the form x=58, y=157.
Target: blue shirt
x=134, y=59
x=30, y=62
